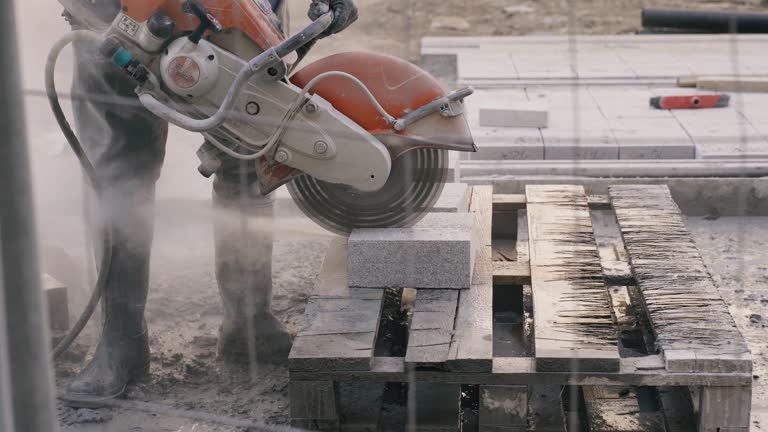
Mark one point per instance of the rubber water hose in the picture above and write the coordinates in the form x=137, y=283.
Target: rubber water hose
x=105, y=231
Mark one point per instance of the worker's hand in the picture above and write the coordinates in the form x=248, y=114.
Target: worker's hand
x=344, y=14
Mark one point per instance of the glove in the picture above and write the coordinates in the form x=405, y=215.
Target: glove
x=344, y=14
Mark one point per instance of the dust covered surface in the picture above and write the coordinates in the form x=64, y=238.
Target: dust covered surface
x=184, y=310
x=183, y=314
x=735, y=250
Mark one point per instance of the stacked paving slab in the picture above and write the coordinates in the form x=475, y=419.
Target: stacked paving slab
x=597, y=102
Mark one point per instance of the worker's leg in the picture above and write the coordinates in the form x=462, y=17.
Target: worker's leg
x=243, y=241
x=126, y=144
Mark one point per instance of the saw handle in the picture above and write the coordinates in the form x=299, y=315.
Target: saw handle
x=305, y=36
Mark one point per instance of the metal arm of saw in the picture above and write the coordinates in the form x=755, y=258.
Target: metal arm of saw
x=260, y=63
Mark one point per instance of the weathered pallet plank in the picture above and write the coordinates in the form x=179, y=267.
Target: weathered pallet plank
x=509, y=202
x=313, y=405
x=340, y=323
x=431, y=329
x=573, y=326
x=639, y=371
x=511, y=273
x=617, y=409
x=678, y=412
x=472, y=344
x=725, y=409
x=690, y=320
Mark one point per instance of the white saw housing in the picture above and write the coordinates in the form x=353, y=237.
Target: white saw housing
x=188, y=69
x=318, y=140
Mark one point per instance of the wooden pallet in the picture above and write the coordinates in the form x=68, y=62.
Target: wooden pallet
x=594, y=312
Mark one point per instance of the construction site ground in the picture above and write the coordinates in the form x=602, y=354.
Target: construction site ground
x=184, y=310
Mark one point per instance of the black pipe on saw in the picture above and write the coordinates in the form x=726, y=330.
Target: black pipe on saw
x=705, y=21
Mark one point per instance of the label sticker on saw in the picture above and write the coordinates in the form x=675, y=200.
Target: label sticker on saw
x=128, y=25
x=184, y=72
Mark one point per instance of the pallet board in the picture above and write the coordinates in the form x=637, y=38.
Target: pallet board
x=590, y=314
x=340, y=323
x=690, y=320
x=472, y=344
x=573, y=325
x=431, y=329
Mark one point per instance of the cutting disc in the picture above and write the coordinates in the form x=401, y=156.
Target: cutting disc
x=415, y=182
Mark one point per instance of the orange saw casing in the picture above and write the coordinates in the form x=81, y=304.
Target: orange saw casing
x=252, y=17
x=400, y=87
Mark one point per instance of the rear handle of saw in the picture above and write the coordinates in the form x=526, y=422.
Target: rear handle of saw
x=260, y=63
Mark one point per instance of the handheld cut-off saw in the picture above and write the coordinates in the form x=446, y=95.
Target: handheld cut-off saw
x=360, y=138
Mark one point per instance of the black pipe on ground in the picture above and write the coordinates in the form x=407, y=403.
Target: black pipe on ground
x=702, y=21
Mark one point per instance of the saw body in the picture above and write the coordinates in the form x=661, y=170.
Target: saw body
x=361, y=137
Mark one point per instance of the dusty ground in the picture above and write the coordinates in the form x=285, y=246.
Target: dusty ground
x=184, y=311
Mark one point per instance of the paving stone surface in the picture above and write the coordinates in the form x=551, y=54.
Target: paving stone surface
x=438, y=252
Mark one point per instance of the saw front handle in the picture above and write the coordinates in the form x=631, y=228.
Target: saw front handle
x=261, y=63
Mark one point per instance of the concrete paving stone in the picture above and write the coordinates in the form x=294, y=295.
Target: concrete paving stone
x=454, y=166
x=57, y=301
x=711, y=119
x=677, y=91
x=620, y=71
x=654, y=138
x=761, y=128
x=726, y=133
x=629, y=107
x=491, y=98
x=485, y=65
x=528, y=72
x=438, y=252
x=565, y=118
x=752, y=149
x=753, y=106
x=511, y=115
x=508, y=144
x=562, y=97
x=630, y=148
x=453, y=199
x=660, y=70
x=587, y=144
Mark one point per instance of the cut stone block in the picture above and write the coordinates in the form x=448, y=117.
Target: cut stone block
x=454, y=199
x=514, y=116
x=563, y=145
x=438, y=252
x=642, y=144
x=497, y=144
x=454, y=170
x=58, y=307
x=753, y=148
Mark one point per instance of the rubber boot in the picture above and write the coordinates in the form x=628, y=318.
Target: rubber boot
x=126, y=144
x=122, y=354
x=250, y=332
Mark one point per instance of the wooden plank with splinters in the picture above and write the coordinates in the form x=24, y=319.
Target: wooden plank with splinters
x=573, y=326
x=511, y=202
x=689, y=317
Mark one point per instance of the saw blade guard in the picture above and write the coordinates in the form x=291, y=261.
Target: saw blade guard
x=403, y=90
